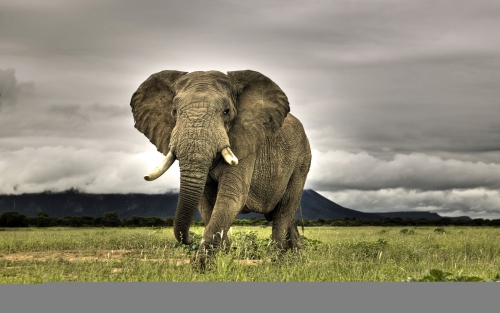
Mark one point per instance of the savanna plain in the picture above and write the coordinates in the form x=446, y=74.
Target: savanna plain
x=330, y=254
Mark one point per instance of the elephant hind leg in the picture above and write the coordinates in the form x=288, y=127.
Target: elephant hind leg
x=293, y=238
x=285, y=232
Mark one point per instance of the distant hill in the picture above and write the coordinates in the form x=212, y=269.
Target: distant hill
x=75, y=203
x=418, y=214
x=316, y=206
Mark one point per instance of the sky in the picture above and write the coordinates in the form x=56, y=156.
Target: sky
x=400, y=99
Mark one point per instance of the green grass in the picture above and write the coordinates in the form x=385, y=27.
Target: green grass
x=37, y=255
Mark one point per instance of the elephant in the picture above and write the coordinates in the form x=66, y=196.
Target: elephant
x=239, y=150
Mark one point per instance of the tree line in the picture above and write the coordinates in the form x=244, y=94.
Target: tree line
x=111, y=219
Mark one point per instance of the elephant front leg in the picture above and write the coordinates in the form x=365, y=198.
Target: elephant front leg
x=207, y=201
x=215, y=236
x=233, y=188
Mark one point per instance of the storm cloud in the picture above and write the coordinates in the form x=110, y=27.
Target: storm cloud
x=11, y=89
x=476, y=203
x=338, y=170
x=400, y=99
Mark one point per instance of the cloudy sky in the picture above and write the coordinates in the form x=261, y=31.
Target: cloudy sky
x=400, y=99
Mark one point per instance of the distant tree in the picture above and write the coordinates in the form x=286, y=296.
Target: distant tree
x=154, y=222
x=111, y=219
x=13, y=219
x=443, y=222
x=136, y=221
x=87, y=220
x=495, y=223
x=43, y=220
x=70, y=221
x=198, y=223
x=98, y=221
x=169, y=221
x=478, y=222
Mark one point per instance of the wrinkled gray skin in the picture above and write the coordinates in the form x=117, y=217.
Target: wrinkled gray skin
x=195, y=116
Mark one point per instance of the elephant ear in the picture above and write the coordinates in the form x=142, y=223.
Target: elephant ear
x=152, y=106
x=261, y=109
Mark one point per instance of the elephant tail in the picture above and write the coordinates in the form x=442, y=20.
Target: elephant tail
x=301, y=219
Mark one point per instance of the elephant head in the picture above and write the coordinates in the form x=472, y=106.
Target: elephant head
x=199, y=117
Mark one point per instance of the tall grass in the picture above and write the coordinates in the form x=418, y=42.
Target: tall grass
x=37, y=255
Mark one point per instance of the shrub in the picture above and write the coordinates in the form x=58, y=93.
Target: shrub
x=407, y=232
x=440, y=230
x=188, y=249
x=367, y=249
x=246, y=244
x=435, y=275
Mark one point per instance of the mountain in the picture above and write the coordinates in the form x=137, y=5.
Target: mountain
x=75, y=203
x=418, y=214
x=316, y=206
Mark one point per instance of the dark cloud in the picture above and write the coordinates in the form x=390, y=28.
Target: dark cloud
x=476, y=203
x=339, y=170
x=11, y=89
x=407, y=108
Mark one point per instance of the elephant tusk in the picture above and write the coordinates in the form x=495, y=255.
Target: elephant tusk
x=229, y=157
x=164, y=166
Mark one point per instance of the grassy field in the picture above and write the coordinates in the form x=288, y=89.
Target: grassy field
x=37, y=255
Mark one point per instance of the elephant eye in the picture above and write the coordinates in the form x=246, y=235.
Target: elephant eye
x=174, y=112
x=226, y=111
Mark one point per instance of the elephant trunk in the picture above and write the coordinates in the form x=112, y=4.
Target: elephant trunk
x=195, y=158
x=191, y=190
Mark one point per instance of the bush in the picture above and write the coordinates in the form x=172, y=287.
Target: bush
x=188, y=249
x=435, y=275
x=365, y=249
x=407, y=232
x=440, y=230
x=246, y=244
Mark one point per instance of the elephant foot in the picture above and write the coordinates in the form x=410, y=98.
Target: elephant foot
x=202, y=260
x=282, y=256
x=201, y=263
x=204, y=257
x=293, y=239
x=286, y=249
x=294, y=244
